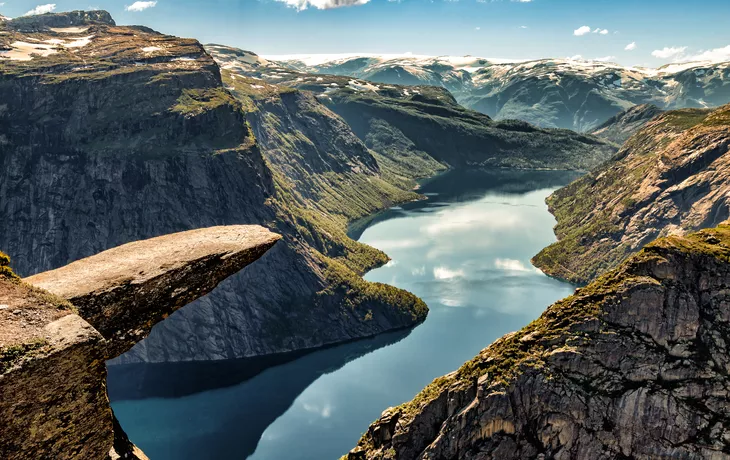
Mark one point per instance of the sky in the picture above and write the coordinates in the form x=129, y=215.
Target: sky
x=629, y=32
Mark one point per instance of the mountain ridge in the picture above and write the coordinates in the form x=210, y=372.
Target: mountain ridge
x=564, y=93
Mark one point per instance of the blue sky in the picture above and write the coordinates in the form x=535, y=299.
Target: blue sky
x=662, y=31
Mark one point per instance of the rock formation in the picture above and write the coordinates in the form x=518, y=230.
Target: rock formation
x=635, y=365
x=52, y=351
x=668, y=179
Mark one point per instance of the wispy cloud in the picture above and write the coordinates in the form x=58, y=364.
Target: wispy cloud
x=41, y=9
x=674, y=52
x=630, y=47
x=322, y=4
x=714, y=55
x=140, y=6
x=585, y=30
x=605, y=59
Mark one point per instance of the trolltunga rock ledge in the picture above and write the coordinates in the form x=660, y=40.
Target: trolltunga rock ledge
x=124, y=291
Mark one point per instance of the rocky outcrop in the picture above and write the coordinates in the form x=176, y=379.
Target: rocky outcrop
x=668, y=179
x=411, y=126
x=619, y=128
x=634, y=365
x=115, y=134
x=52, y=351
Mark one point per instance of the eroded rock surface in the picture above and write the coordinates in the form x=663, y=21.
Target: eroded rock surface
x=635, y=365
x=52, y=352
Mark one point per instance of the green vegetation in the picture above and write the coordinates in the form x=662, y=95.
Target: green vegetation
x=685, y=118
x=12, y=355
x=5, y=270
x=193, y=102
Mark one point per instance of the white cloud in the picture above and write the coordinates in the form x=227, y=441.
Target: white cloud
x=669, y=52
x=631, y=46
x=41, y=9
x=605, y=59
x=580, y=31
x=714, y=55
x=140, y=6
x=322, y=4
x=524, y=27
x=477, y=28
x=585, y=30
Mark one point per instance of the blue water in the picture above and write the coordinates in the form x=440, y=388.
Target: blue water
x=465, y=251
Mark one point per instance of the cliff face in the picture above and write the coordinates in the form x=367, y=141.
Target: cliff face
x=619, y=128
x=632, y=366
x=53, y=352
x=423, y=122
x=114, y=134
x=668, y=179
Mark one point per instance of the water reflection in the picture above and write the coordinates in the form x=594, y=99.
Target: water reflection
x=219, y=417
x=466, y=251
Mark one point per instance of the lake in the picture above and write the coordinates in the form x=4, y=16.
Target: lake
x=465, y=251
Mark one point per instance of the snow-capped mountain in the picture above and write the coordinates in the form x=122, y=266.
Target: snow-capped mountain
x=566, y=93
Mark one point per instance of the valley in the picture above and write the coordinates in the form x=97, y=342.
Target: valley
x=207, y=253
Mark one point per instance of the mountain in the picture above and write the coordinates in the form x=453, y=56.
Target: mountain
x=418, y=122
x=562, y=93
x=668, y=179
x=113, y=134
x=619, y=128
x=632, y=366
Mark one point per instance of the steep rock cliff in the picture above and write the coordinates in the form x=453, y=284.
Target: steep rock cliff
x=634, y=365
x=669, y=178
x=53, y=352
x=111, y=134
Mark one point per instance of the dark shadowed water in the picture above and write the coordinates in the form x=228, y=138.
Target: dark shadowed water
x=465, y=251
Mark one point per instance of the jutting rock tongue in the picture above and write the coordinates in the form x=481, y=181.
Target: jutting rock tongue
x=635, y=365
x=52, y=352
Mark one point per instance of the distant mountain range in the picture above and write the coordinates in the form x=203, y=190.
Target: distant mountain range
x=557, y=93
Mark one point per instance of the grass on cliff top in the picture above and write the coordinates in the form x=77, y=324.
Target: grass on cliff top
x=193, y=102
x=714, y=242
